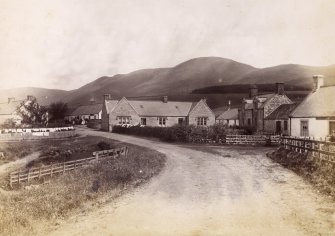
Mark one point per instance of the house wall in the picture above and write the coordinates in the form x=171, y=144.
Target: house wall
x=170, y=121
x=201, y=110
x=15, y=117
x=247, y=114
x=123, y=108
x=228, y=122
x=270, y=126
x=317, y=128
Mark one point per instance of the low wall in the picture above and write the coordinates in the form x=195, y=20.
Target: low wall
x=252, y=139
x=36, y=135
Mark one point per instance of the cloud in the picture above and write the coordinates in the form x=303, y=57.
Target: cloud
x=67, y=43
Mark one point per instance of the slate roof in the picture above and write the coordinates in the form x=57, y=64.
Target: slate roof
x=87, y=109
x=9, y=108
x=159, y=108
x=231, y=114
x=318, y=104
x=282, y=112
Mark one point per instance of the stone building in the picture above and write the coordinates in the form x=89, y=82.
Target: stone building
x=315, y=116
x=228, y=117
x=160, y=113
x=8, y=110
x=86, y=112
x=257, y=108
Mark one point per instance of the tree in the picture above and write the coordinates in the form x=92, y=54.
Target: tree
x=57, y=111
x=9, y=124
x=32, y=113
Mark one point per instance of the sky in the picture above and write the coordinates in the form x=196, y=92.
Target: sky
x=65, y=44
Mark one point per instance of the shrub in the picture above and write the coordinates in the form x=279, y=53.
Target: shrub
x=102, y=145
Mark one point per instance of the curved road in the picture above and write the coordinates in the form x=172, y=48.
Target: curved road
x=237, y=191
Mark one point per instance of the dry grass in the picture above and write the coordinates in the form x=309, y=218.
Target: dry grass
x=27, y=210
x=319, y=173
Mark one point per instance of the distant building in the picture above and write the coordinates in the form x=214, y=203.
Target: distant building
x=315, y=116
x=278, y=121
x=86, y=112
x=160, y=113
x=229, y=117
x=8, y=110
x=257, y=108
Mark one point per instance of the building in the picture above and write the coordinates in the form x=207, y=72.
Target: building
x=315, y=116
x=86, y=112
x=8, y=110
x=228, y=117
x=278, y=121
x=257, y=108
x=160, y=113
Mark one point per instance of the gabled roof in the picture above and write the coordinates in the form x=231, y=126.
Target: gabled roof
x=231, y=114
x=87, y=109
x=318, y=104
x=160, y=108
x=9, y=108
x=110, y=105
x=282, y=112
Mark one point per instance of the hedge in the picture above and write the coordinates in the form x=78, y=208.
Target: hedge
x=180, y=133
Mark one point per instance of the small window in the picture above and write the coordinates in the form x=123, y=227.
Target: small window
x=249, y=121
x=304, y=130
x=162, y=121
x=202, y=121
x=285, y=125
x=180, y=121
x=143, y=121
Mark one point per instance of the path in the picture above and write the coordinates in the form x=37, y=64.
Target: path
x=239, y=192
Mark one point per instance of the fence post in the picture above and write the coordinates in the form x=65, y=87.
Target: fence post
x=18, y=177
x=97, y=156
x=28, y=175
x=10, y=181
x=63, y=167
x=39, y=173
x=51, y=170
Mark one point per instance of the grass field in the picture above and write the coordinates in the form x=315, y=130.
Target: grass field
x=27, y=210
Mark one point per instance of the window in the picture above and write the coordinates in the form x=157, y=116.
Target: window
x=123, y=120
x=202, y=121
x=162, y=121
x=143, y=121
x=249, y=121
x=304, y=131
x=285, y=125
x=180, y=121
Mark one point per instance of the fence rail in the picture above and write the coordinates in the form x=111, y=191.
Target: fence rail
x=252, y=139
x=322, y=150
x=27, y=175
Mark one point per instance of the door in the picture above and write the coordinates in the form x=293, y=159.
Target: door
x=278, y=127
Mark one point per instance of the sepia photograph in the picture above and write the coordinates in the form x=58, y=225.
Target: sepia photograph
x=167, y=118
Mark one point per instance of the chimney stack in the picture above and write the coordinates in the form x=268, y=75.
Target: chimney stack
x=165, y=99
x=318, y=81
x=253, y=91
x=280, y=88
x=12, y=99
x=107, y=97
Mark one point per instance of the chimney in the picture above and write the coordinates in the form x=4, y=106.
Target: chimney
x=318, y=81
x=107, y=97
x=12, y=99
x=280, y=88
x=253, y=91
x=165, y=99
x=30, y=97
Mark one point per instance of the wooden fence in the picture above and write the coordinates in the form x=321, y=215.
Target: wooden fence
x=27, y=175
x=322, y=150
x=252, y=139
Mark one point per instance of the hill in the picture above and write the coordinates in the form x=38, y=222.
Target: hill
x=218, y=79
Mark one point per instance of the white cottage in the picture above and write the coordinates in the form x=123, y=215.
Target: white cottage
x=315, y=116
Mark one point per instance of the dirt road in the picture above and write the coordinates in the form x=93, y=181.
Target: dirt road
x=237, y=191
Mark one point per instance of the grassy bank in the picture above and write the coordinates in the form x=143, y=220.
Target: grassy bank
x=26, y=211
x=320, y=173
